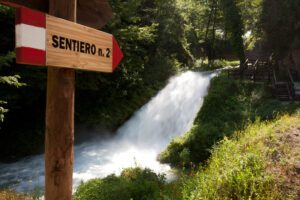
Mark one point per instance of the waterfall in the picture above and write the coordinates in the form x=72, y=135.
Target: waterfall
x=137, y=143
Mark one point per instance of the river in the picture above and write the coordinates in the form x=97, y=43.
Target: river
x=136, y=143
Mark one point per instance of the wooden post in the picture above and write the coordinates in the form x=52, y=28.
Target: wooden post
x=60, y=119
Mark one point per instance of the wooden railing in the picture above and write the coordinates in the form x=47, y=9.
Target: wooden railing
x=266, y=70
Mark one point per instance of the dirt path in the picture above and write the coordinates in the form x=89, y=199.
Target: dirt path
x=286, y=161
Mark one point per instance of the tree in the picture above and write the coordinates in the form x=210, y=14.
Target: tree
x=280, y=22
x=234, y=26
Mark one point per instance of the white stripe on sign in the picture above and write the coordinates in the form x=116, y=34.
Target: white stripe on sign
x=30, y=36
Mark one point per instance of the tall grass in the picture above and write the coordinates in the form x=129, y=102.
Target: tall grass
x=238, y=167
x=11, y=195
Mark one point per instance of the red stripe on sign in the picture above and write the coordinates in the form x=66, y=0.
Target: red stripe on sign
x=30, y=56
x=31, y=17
x=117, y=54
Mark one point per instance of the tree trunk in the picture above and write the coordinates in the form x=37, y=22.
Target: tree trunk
x=207, y=49
x=214, y=34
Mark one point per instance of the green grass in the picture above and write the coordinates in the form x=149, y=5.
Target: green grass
x=11, y=195
x=238, y=167
x=216, y=64
x=255, y=163
x=7, y=194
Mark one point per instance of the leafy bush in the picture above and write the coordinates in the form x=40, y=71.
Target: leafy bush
x=133, y=183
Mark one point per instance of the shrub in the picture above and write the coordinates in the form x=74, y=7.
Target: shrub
x=133, y=183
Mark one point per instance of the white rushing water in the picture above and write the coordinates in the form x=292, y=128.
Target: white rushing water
x=137, y=143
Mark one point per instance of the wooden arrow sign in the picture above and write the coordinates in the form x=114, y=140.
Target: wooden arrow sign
x=44, y=40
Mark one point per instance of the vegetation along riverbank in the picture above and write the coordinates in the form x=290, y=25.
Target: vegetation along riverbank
x=253, y=154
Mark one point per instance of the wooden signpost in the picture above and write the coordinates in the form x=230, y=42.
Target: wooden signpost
x=46, y=40
x=57, y=41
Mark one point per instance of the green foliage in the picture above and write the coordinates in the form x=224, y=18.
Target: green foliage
x=158, y=38
x=19, y=100
x=238, y=168
x=152, y=41
x=229, y=106
x=10, y=80
x=235, y=27
x=6, y=60
x=7, y=32
x=216, y=64
x=111, y=187
x=279, y=19
x=2, y=110
x=250, y=11
x=133, y=183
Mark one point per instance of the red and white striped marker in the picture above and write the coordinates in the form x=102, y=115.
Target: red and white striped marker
x=30, y=37
x=46, y=40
